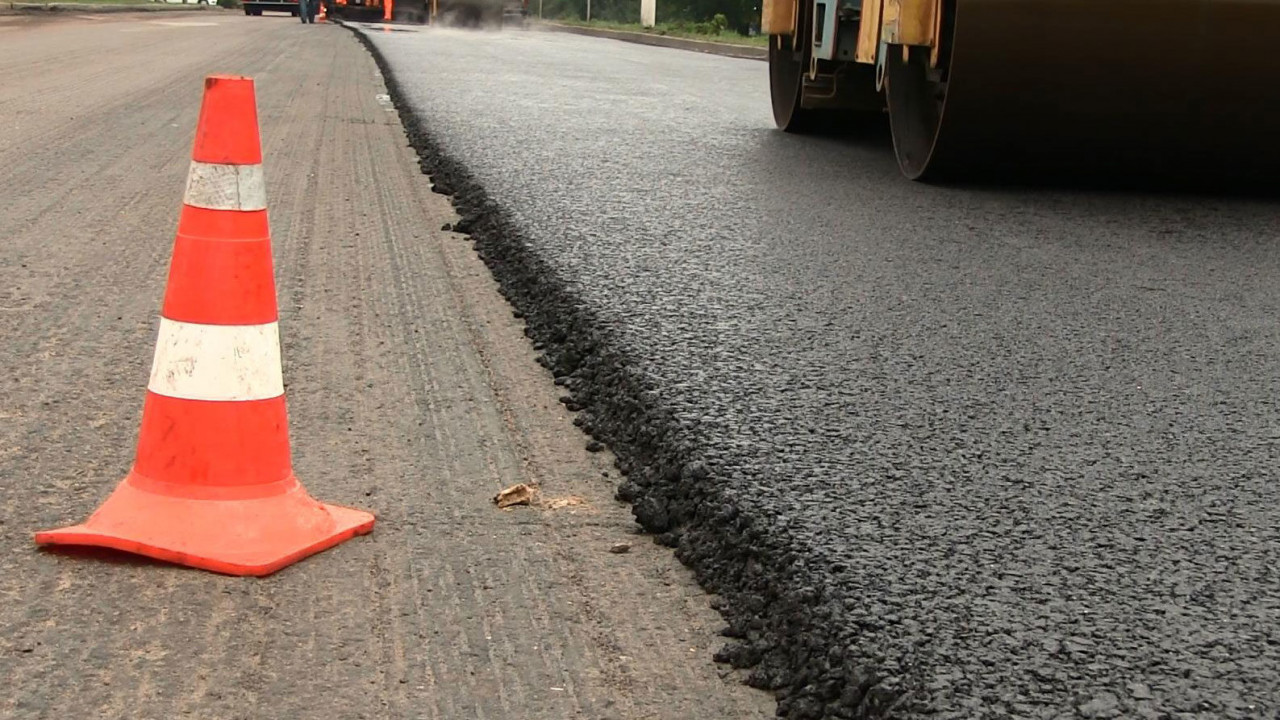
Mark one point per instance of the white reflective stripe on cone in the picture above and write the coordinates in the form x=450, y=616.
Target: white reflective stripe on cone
x=226, y=187
x=217, y=362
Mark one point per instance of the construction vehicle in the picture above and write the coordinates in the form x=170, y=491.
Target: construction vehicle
x=1158, y=87
x=257, y=7
x=481, y=13
x=356, y=10
x=468, y=13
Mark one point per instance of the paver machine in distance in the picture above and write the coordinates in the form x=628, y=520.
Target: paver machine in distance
x=1157, y=87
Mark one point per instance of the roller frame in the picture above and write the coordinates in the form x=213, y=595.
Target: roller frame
x=892, y=24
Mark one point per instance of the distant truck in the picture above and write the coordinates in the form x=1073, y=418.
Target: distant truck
x=257, y=6
x=370, y=10
x=478, y=13
x=517, y=8
x=465, y=13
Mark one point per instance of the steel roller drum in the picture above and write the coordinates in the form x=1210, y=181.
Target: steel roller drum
x=1181, y=90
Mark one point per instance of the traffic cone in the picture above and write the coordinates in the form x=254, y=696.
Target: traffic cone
x=212, y=485
x=320, y=16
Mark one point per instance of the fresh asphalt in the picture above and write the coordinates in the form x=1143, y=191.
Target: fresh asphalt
x=943, y=451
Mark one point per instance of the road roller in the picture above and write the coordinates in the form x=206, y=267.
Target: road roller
x=1167, y=89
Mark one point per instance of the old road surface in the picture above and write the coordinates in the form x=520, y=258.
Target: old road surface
x=413, y=392
x=942, y=451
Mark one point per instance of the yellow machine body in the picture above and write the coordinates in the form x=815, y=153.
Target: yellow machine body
x=778, y=17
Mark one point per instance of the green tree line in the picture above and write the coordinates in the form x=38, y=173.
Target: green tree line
x=736, y=15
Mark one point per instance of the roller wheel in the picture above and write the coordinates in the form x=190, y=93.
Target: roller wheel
x=915, y=110
x=788, y=67
x=917, y=95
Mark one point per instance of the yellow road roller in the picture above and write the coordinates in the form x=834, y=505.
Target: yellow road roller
x=1163, y=88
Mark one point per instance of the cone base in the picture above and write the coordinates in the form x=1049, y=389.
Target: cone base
x=255, y=536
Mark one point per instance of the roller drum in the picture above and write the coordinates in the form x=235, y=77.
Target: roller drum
x=1181, y=90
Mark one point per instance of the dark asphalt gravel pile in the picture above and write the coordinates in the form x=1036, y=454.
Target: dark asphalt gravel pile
x=942, y=453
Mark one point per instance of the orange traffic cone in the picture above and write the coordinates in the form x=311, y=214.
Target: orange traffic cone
x=320, y=16
x=212, y=485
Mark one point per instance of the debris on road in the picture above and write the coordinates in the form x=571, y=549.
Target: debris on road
x=564, y=502
x=521, y=494
x=526, y=494
x=620, y=548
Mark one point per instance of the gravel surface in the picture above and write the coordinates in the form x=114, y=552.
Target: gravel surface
x=944, y=452
x=412, y=393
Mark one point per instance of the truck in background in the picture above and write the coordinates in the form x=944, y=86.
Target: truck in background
x=257, y=7
x=454, y=13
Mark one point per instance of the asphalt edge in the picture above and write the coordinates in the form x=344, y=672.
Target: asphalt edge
x=744, y=52
x=780, y=626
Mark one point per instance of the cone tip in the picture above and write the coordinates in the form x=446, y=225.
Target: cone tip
x=227, y=129
x=212, y=80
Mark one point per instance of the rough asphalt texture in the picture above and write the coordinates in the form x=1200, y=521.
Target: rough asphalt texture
x=412, y=393
x=943, y=452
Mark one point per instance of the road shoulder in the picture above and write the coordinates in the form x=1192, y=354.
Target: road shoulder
x=413, y=392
